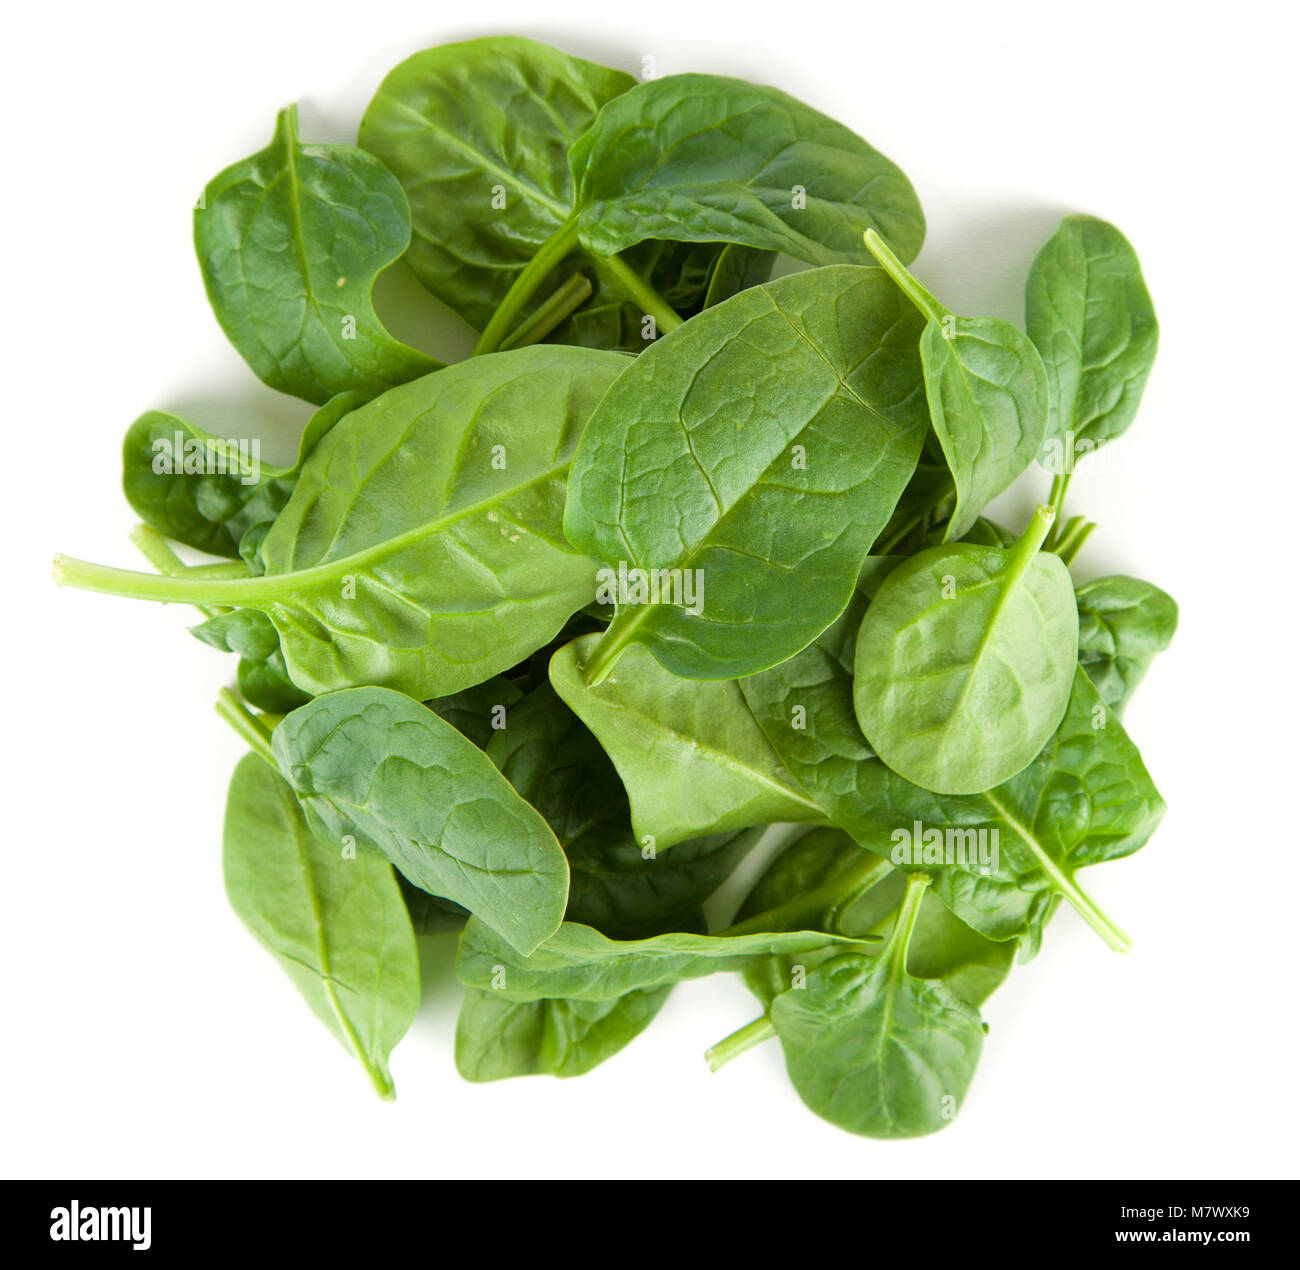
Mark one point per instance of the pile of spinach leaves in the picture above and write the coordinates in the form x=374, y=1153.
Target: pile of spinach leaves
x=535, y=646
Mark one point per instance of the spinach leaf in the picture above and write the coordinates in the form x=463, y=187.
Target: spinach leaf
x=336, y=925
x=1088, y=311
x=290, y=242
x=749, y=461
x=578, y=963
x=616, y=884
x=873, y=1048
x=965, y=659
x=208, y=491
x=827, y=881
x=263, y=678
x=708, y=159
x=1123, y=624
x=421, y=548
x=736, y=268
x=372, y=764
x=987, y=390
x=497, y=1038
x=690, y=754
x=478, y=134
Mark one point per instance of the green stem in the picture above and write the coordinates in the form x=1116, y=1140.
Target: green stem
x=187, y=589
x=1056, y=500
x=909, y=286
x=738, y=1042
x=525, y=285
x=1031, y=540
x=1077, y=532
x=639, y=291
x=551, y=313
x=908, y=912
x=247, y=724
x=812, y=905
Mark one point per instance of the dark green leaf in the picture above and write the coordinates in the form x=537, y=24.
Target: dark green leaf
x=1123, y=624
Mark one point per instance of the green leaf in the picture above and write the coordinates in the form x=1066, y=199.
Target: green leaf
x=578, y=963
x=1123, y=624
x=422, y=547
x=873, y=1048
x=691, y=756
x=1088, y=311
x=375, y=765
x=616, y=885
x=736, y=268
x=704, y=158
x=336, y=925
x=841, y=888
x=988, y=395
x=290, y=242
x=965, y=660
x=497, y=1038
x=758, y=452
x=467, y=127
x=209, y=491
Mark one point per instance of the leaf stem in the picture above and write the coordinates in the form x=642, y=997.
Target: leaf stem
x=739, y=1041
x=1031, y=540
x=247, y=724
x=158, y=551
x=909, y=286
x=639, y=290
x=549, y=315
x=908, y=911
x=1056, y=500
x=525, y=285
x=185, y=588
x=1070, y=543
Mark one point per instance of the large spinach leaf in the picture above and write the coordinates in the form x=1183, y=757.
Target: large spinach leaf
x=690, y=754
x=421, y=548
x=965, y=659
x=988, y=395
x=290, y=242
x=704, y=158
x=1123, y=624
x=337, y=925
x=1088, y=311
x=478, y=134
x=750, y=460
x=371, y=764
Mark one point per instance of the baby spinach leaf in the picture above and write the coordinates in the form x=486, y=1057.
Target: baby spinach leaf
x=754, y=455
x=708, y=159
x=875, y=1049
x=208, y=491
x=263, y=678
x=478, y=134
x=987, y=390
x=336, y=925
x=578, y=963
x=1088, y=311
x=421, y=548
x=1087, y=798
x=290, y=242
x=616, y=884
x=965, y=660
x=1123, y=624
x=430, y=914
x=689, y=753
x=497, y=1038
x=736, y=268
x=839, y=887
x=374, y=765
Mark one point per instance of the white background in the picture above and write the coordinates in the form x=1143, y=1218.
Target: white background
x=145, y=1033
